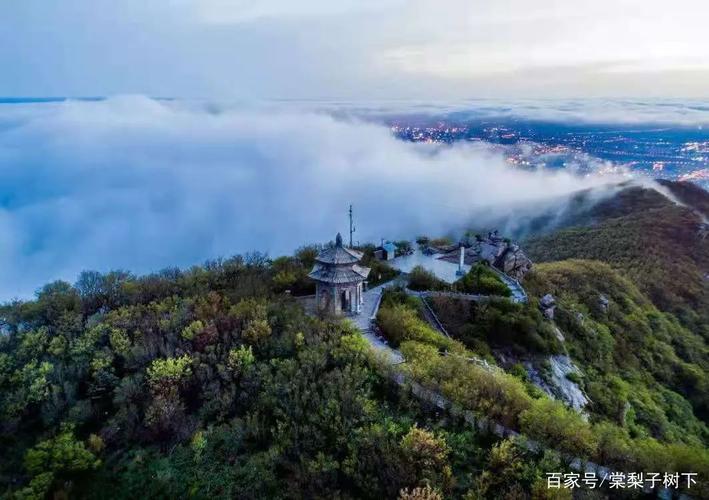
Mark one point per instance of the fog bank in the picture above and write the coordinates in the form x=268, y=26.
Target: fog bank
x=140, y=184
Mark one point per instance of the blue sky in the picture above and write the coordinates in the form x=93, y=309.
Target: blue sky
x=355, y=49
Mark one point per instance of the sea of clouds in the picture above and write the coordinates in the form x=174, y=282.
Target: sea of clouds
x=141, y=184
x=691, y=113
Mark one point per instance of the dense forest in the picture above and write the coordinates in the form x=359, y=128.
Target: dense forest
x=210, y=383
x=214, y=382
x=661, y=246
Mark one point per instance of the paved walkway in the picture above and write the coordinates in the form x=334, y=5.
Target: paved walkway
x=372, y=298
x=364, y=321
x=518, y=293
x=442, y=269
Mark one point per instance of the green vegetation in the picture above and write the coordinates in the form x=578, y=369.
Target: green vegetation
x=291, y=273
x=422, y=279
x=497, y=324
x=403, y=247
x=642, y=368
x=422, y=241
x=650, y=240
x=440, y=242
x=447, y=366
x=380, y=271
x=484, y=281
x=212, y=383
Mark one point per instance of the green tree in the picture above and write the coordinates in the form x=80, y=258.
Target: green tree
x=425, y=460
x=559, y=427
x=60, y=457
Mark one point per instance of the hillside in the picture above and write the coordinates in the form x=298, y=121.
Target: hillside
x=638, y=367
x=214, y=382
x=660, y=246
x=211, y=383
x=641, y=368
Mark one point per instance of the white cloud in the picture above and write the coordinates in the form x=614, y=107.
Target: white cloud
x=242, y=11
x=139, y=184
x=356, y=49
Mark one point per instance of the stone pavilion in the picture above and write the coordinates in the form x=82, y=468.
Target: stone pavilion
x=339, y=279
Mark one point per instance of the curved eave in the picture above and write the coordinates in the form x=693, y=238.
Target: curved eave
x=339, y=275
x=338, y=256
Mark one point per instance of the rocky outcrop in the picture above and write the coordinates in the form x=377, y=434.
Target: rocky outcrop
x=548, y=304
x=561, y=369
x=513, y=262
x=603, y=303
x=497, y=251
x=557, y=382
x=501, y=253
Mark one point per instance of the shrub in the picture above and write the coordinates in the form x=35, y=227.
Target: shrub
x=240, y=359
x=257, y=331
x=189, y=332
x=421, y=279
x=558, y=427
x=54, y=458
x=169, y=372
x=399, y=323
x=425, y=459
x=482, y=280
x=441, y=242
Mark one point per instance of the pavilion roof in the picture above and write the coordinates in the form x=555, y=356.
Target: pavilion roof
x=339, y=274
x=339, y=254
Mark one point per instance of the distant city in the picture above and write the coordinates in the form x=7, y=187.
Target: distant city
x=679, y=153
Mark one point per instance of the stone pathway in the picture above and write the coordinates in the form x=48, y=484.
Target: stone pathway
x=364, y=321
x=518, y=293
x=372, y=298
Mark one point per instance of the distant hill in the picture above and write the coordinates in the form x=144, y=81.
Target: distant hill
x=660, y=245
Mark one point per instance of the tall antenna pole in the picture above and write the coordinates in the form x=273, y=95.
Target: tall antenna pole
x=352, y=228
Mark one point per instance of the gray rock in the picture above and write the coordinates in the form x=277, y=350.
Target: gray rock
x=557, y=385
x=603, y=303
x=502, y=254
x=547, y=301
x=548, y=305
x=515, y=263
x=570, y=392
x=559, y=335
